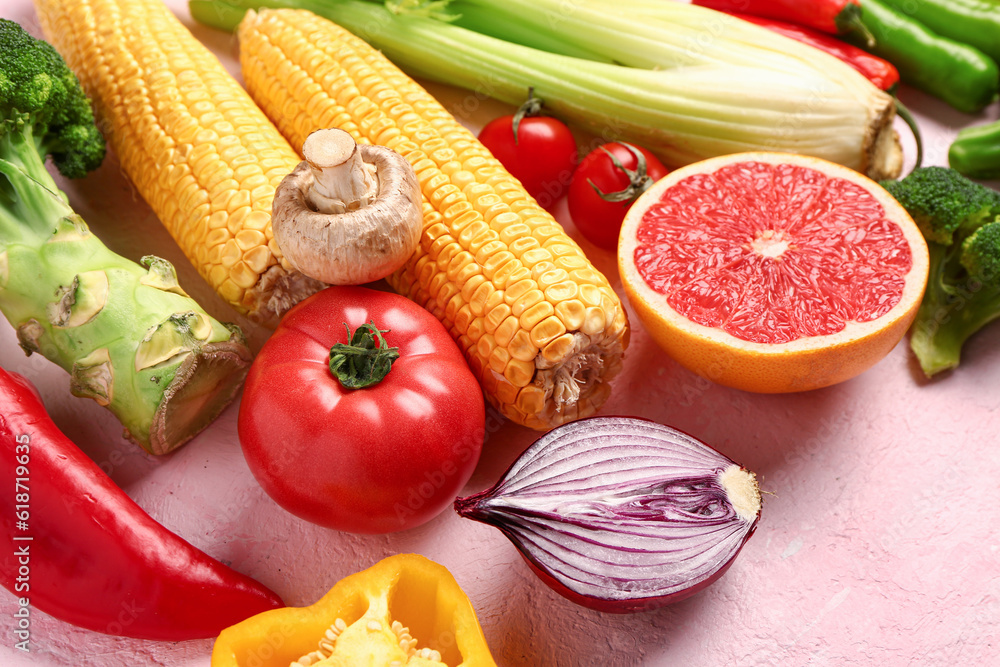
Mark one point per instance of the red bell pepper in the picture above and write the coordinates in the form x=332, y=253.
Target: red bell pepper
x=836, y=17
x=78, y=548
x=880, y=72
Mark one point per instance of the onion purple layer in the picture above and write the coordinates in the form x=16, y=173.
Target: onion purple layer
x=622, y=511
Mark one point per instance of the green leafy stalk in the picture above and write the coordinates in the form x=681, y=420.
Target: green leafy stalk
x=433, y=9
x=129, y=336
x=684, y=82
x=957, y=305
x=504, y=22
x=934, y=338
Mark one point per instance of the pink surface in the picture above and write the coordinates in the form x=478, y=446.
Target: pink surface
x=879, y=541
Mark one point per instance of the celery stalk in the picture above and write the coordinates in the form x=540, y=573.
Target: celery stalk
x=686, y=82
x=496, y=20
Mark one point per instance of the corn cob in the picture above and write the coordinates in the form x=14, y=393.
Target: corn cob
x=541, y=328
x=197, y=148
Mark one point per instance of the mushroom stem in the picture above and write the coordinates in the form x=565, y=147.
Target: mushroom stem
x=342, y=180
x=348, y=214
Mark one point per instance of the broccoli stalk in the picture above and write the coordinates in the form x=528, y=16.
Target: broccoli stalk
x=129, y=336
x=959, y=220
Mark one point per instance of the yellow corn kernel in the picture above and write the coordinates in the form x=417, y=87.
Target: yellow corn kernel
x=531, y=400
x=196, y=146
x=546, y=331
x=527, y=301
x=519, y=373
x=505, y=332
x=496, y=315
x=558, y=348
x=541, y=328
x=521, y=346
x=535, y=314
x=571, y=312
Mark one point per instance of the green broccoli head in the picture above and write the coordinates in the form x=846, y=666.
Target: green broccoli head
x=961, y=221
x=38, y=88
x=981, y=254
x=943, y=202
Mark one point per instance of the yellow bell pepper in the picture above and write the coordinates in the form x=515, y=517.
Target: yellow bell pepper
x=404, y=611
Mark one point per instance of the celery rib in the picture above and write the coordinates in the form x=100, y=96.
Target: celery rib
x=686, y=82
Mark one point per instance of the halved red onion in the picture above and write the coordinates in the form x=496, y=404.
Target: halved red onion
x=622, y=514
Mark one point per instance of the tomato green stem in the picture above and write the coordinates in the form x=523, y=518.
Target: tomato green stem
x=531, y=107
x=639, y=180
x=365, y=360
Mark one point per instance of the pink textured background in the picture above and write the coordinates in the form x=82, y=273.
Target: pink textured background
x=879, y=541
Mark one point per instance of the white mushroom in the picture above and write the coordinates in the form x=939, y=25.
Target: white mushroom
x=349, y=214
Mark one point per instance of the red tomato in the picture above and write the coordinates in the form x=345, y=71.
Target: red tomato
x=373, y=460
x=600, y=220
x=542, y=158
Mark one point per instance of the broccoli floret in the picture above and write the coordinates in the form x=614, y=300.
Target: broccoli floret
x=981, y=254
x=43, y=112
x=943, y=202
x=42, y=103
x=961, y=221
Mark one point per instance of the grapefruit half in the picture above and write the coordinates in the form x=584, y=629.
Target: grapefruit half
x=772, y=272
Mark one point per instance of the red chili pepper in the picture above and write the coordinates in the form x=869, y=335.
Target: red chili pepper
x=78, y=548
x=880, y=72
x=836, y=17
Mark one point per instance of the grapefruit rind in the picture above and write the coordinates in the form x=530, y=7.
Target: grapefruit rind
x=803, y=364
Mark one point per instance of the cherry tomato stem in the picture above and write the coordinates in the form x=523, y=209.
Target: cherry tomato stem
x=639, y=180
x=537, y=150
x=532, y=107
x=604, y=186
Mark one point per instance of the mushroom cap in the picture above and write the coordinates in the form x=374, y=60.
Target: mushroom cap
x=354, y=247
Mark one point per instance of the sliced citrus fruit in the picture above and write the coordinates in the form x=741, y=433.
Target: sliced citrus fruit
x=772, y=272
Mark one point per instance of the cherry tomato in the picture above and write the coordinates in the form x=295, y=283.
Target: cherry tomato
x=374, y=459
x=597, y=218
x=543, y=155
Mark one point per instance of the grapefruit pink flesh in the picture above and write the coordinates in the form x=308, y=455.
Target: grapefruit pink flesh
x=772, y=252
